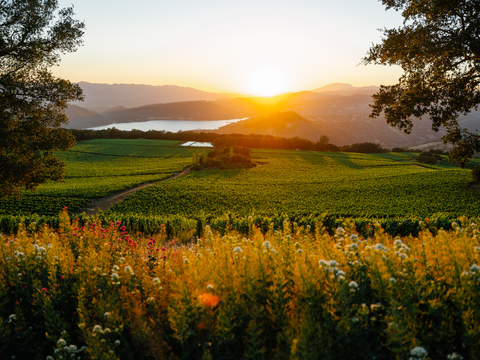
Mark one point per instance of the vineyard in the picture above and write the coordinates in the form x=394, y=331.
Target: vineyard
x=303, y=186
x=347, y=185
x=99, y=168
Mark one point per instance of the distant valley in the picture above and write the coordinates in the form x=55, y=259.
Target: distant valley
x=339, y=111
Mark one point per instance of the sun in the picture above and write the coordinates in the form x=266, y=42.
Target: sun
x=267, y=82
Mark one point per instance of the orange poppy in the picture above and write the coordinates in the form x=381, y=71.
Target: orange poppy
x=208, y=299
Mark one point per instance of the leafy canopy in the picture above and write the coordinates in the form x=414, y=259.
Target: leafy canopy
x=438, y=47
x=33, y=36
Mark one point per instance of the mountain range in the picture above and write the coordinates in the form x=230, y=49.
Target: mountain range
x=339, y=111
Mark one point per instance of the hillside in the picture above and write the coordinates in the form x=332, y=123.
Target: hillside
x=339, y=111
x=101, y=97
x=340, y=129
x=81, y=118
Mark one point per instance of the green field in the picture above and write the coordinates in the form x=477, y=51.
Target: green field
x=286, y=182
x=349, y=185
x=97, y=168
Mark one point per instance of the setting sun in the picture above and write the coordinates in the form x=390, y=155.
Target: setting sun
x=267, y=82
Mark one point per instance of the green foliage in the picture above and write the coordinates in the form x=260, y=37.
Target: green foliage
x=425, y=159
x=227, y=158
x=33, y=34
x=42, y=205
x=437, y=48
x=366, y=148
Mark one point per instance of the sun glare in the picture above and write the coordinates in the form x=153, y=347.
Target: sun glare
x=267, y=82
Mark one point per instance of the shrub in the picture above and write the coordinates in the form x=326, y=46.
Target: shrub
x=366, y=147
x=425, y=159
x=476, y=173
x=332, y=148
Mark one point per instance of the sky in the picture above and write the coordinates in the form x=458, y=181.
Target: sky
x=254, y=47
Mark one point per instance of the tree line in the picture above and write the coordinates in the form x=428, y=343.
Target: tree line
x=258, y=141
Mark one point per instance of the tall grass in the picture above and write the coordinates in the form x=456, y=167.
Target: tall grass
x=98, y=292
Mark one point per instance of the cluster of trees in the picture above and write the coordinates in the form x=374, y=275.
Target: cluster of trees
x=224, y=158
x=431, y=156
x=218, y=140
x=366, y=147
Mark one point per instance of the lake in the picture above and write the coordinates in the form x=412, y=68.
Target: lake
x=169, y=125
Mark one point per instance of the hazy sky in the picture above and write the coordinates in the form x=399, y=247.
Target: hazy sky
x=229, y=46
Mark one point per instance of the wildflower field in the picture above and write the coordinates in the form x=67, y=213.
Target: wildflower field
x=99, y=292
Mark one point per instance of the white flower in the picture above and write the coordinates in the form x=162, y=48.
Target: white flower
x=323, y=263
x=454, y=356
x=115, y=276
x=333, y=263
x=12, y=317
x=353, y=247
x=185, y=260
x=209, y=287
x=353, y=285
x=354, y=238
x=380, y=247
x=156, y=281
x=96, y=329
x=128, y=270
x=266, y=245
x=340, y=231
x=117, y=342
x=299, y=251
x=61, y=343
x=418, y=353
x=237, y=250
x=115, y=268
x=392, y=280
x=475, y=268
x=106, y=315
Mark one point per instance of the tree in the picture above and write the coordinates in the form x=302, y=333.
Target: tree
x=33, y=35
x=438, y=48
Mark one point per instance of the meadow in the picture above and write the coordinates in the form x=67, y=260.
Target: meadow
x=98, y=292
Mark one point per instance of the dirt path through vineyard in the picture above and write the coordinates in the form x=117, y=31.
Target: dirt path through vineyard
x=106, y=202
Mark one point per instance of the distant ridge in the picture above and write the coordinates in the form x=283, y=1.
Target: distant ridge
x=102, y=97
x=346, y=89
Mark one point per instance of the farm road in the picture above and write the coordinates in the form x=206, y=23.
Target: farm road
x=106, y=202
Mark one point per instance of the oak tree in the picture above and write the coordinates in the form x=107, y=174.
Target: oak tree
x=33, y=36
x=438, y=48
